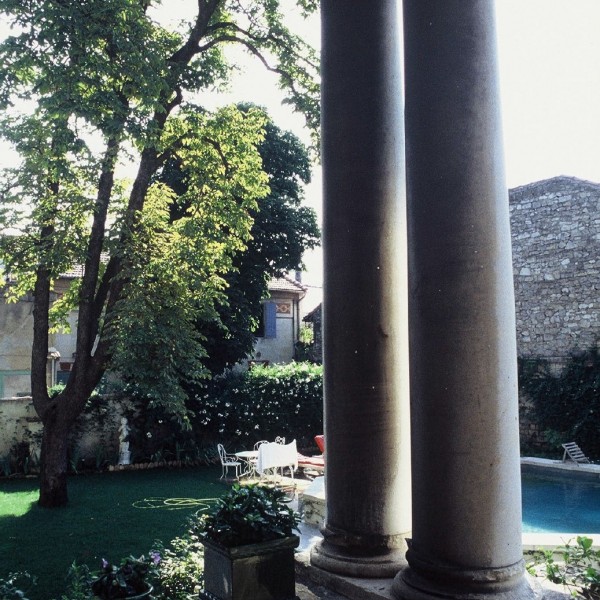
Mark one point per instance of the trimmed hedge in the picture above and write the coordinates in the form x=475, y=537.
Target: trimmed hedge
x=242, y=408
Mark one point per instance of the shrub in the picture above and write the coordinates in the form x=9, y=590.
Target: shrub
x=249, y=515
x=181, y=569
x=578, y=570
x=566, y=405
x=11, y=587
x=264, y=402
x=236, y=408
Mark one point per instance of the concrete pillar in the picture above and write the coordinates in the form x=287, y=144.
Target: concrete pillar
x=466, y=479
x=365, y=297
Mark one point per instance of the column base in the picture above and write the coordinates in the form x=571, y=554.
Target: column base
x=335, y=559
x=408, y=585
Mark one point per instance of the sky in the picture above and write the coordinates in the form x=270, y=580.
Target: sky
x=549, y=58
x=549, y=63
x=549, y=55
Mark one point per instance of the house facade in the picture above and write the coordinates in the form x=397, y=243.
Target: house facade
x=16, y=337
x=280, y=327
x=16, y=334
x=275, y=344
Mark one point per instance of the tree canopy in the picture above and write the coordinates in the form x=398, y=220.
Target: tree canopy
x=88, y=86
x=282, y=229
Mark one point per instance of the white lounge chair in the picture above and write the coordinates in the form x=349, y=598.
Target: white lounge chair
x=574, y=452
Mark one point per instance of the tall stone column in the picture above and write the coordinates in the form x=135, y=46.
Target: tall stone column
x=466, y=478
x=367, y=418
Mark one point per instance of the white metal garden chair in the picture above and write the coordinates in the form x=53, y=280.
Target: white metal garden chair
x=227, y=461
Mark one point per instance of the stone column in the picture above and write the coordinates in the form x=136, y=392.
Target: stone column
x=466, y=477
x=367, y=419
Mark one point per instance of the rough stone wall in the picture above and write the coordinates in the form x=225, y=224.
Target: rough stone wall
x=19, y=423
x=556, y=263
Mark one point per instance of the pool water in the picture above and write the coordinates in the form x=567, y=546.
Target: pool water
x=552, y=505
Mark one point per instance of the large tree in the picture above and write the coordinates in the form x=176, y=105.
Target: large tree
x=282, y=230
x=84, y=86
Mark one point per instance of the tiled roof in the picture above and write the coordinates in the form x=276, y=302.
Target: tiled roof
x=76, y=271
x=286, y=284
x=281, y=284
x=314, y=314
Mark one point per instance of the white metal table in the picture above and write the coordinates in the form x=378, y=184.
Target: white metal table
x=248, y=458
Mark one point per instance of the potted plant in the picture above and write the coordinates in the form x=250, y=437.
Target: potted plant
x=128, y=580
x=249, y=546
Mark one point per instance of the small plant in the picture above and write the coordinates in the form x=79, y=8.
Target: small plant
x=79, y=581
x=579, y=569
x=11, y=587
x=249, y=515
x=181, y=569
x=128, y=579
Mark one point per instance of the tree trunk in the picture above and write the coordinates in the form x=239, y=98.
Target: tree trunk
x=53, y=473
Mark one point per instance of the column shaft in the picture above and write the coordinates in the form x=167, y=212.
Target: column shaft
x=466, y=478
x=365, y=308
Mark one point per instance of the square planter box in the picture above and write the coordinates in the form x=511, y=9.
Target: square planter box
x=262, y=571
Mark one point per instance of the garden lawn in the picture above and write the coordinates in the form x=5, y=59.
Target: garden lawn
x=110, y=515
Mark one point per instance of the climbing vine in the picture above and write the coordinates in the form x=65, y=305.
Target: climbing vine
x=565, y=404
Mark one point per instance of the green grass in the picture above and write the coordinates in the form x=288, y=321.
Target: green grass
x=110, y=515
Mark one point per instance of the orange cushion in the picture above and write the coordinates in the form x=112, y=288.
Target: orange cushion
x=320, y=439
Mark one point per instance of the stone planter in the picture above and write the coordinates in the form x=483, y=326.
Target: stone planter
x=262, y=571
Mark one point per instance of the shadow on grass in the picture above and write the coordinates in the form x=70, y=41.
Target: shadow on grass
x=110, y=515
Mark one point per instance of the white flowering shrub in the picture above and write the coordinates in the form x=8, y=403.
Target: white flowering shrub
x=262, y=403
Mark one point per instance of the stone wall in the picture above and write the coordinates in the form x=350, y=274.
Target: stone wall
x=92, y=439
x=556, y=262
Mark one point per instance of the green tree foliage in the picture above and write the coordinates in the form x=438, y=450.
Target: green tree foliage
x=282, y=229
x=86, y=87
x=567, y=404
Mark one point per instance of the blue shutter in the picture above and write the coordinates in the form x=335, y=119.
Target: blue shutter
x=270, y=319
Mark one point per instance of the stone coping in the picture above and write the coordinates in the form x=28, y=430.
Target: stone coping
x=589, y=472
x=314, y=498
x=547, y=541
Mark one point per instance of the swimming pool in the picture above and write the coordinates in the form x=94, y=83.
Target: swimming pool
x=554, y=504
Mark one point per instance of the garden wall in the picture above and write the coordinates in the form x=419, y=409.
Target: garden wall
x=556, y=264
x=94, y=440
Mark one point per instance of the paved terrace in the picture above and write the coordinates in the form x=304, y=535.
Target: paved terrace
x=314, y=583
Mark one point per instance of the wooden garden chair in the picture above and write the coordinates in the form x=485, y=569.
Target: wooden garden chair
x=574, y=452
